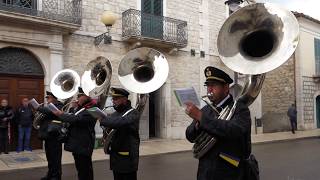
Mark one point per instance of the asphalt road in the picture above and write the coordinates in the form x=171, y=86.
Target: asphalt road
x=290, y=160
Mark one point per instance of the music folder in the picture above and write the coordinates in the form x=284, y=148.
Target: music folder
x=34, y=103
x=184, y=95
x=52, y=107
x=97, y=113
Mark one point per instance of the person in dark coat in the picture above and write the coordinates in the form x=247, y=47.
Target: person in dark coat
x=53, y=147
x=226, y=159
x=124, y=147
x=81, y=135
x=24, y=118
x=6, y=115
x=292, y=113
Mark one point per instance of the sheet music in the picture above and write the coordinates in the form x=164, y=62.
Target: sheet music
x=184, y=95
x=97, y=113
x=34, y=103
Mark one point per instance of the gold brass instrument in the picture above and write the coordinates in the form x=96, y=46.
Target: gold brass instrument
x=254, y=40
x=38, y=117
x=142, y=71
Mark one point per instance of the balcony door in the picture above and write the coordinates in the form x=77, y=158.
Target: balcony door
x=152, y=19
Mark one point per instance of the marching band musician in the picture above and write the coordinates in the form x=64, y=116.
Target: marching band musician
x=81, y=135
x=124, y=147
x=224, y=160
x=53, y=147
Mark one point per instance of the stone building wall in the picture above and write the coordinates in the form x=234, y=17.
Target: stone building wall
x=310, y=90
x=278, y=93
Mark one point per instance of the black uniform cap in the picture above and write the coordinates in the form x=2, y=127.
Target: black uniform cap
x=216, y=75
x=119, y=92
x=48, y=93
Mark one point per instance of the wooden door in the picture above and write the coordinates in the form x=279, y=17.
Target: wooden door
x=14, y=89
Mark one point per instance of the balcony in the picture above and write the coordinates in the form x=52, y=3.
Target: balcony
x=65, y=13
x=153, y=30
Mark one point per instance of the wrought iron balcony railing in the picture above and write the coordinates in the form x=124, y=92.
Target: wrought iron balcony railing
x=137, y=25
x=60, y=10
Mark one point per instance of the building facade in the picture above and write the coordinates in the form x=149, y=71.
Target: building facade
x=58, y=34
x=295, y=82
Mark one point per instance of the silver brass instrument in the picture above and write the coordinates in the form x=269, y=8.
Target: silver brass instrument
x=95, y=82
x=142, y=71
x=96, y=79
x=254, y=40
x=63, y=85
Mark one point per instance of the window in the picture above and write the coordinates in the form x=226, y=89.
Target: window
x=317, y=55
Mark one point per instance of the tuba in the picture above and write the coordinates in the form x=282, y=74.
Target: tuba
x=63, y=85
x=254, y=40
x=96, y=79
x=142, y=71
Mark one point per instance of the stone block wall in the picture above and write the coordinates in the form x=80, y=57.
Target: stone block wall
x=278, y=93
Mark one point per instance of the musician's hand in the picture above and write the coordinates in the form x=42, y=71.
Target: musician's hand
x=193, y=111
x=57, y=113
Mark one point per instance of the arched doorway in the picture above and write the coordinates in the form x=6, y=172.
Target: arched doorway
x=318, y=111
x=21, y=75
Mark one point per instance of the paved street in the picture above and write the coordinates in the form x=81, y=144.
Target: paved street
x=290, y=160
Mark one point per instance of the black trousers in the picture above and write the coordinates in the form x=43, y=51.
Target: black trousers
x=125, y=176
x=53, y=150
x=4, y=140
x=84, y=166
x=293, y=124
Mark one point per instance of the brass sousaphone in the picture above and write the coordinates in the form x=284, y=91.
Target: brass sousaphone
x=254, y=40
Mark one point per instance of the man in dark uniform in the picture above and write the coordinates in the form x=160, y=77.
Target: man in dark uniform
x=124, y=148
x=81, y=135
x=225, y=160
x=53, y=147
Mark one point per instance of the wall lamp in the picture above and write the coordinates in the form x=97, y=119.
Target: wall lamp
x=108, y=19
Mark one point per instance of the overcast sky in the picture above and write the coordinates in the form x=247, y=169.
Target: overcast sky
x=308, y=7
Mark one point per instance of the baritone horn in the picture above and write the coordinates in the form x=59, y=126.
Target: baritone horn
x=253, y=41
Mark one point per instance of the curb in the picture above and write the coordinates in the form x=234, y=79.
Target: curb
x=285, y=140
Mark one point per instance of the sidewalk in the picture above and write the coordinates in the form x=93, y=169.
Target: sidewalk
x=37, y=158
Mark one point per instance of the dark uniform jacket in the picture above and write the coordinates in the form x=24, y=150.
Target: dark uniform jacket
x=43, y=132
x=124, y=150
x=81, y=135
x=6, y=115
x=24, y=116
x=233, y=140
